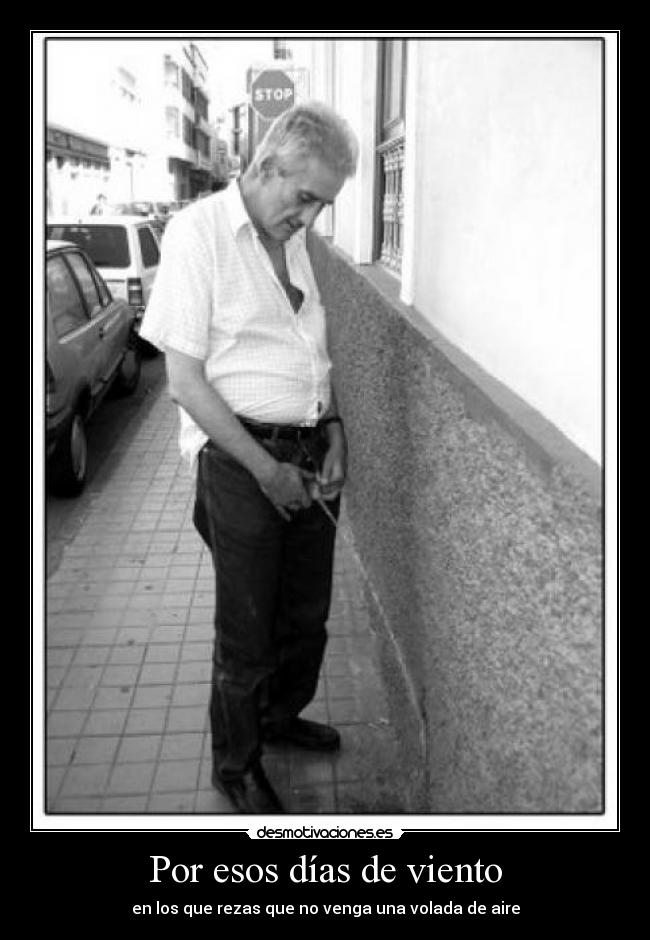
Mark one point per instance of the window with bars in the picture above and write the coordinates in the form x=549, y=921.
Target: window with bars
x=188, y=131
x=201, y=105
x=187, y=88
x=390, y=152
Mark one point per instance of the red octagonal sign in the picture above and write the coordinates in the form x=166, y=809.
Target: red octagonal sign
x=272, y=92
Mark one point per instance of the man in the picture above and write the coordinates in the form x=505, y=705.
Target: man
x=236, y=309
x=100, y=205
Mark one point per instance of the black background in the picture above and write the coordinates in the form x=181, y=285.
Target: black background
x=559, y=879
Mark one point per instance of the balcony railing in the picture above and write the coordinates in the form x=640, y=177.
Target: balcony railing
x=392, y=208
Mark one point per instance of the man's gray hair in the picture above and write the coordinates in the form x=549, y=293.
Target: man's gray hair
x=311, y=129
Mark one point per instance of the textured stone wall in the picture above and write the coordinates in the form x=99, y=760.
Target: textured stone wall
x=480, y=533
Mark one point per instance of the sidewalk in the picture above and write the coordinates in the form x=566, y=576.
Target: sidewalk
x=129, y=637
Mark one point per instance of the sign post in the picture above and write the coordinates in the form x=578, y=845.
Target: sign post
x=272, y=93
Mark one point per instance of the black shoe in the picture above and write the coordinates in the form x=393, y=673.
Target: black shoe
x=251, y=793
x=311, y=735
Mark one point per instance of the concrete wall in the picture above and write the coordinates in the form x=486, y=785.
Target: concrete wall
x=479, y=527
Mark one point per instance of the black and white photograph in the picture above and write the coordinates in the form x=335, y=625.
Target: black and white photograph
x=321, y=327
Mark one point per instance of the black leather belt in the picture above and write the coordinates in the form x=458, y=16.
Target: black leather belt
x=280, y=432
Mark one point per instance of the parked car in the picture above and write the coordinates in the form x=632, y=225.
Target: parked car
x=90, y=346
x=154, y=211
x=126, y=251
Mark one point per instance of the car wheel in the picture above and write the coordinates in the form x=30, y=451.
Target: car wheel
x=148, y=350
x=128, y=374
x=69, y=463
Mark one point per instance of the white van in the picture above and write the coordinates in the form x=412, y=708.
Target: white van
x=124, y=248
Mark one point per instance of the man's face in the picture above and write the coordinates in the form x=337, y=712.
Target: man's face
x=291, y=194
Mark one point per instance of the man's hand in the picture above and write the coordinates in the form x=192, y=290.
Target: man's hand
x=286, y=486
x=335, y=464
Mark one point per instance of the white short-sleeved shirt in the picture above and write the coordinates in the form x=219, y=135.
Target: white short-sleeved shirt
x=216, y=297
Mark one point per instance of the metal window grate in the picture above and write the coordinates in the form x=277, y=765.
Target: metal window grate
x=392, y=203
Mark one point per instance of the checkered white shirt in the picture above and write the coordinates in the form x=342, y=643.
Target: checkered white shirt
x=216, y=297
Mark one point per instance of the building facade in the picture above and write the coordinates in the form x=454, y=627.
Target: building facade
x=462, y=278
x=147, y=135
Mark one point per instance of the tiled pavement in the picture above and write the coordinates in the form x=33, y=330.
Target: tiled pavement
x=128, y=657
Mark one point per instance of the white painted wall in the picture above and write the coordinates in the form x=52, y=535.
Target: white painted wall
x=508, y=223
x=503, y=205
x=355, y=70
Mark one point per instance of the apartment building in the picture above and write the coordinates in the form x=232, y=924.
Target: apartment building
x=146, y=104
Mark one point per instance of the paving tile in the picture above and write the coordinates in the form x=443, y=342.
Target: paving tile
x=163, y=653
x=113, y=697
x=172, y=802
x=195, y=672
x=153, y=696
x=67, y=638
x=74, y=699
x=65, y=724
x=83, y=677
x=105, y=619
x=92, y=655
x=96, y=750
x=199, y=631
x=192, y=694
x=126, y=655
x=131, y=779
x=88, y=780
x=105, y=636
x=168, y=633
x=75, y=805
x=146, y=721
x=124, y=804
x=120, y=675
x=182, y=746
x=139, y=748
x=157, y=674
x=59, y=751
x=196, y=652
x=53, y=779
x=106, y=722
x=211, y=801
x=60, y=657
x=186, y=719
x=176, y=776
x=55, y=676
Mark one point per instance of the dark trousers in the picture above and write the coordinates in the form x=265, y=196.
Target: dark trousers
x=273, y=591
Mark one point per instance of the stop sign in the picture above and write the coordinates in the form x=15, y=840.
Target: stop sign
x=272, y=92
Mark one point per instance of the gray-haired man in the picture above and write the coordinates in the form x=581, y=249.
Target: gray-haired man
x=236, y=309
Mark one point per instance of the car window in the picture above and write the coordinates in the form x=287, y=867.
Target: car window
x=106, y=245
x=86, y=281
x=102, y=287
x=148, y=246
x=64, y=302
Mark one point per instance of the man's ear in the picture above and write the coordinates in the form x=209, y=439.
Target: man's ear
x=267, y=168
